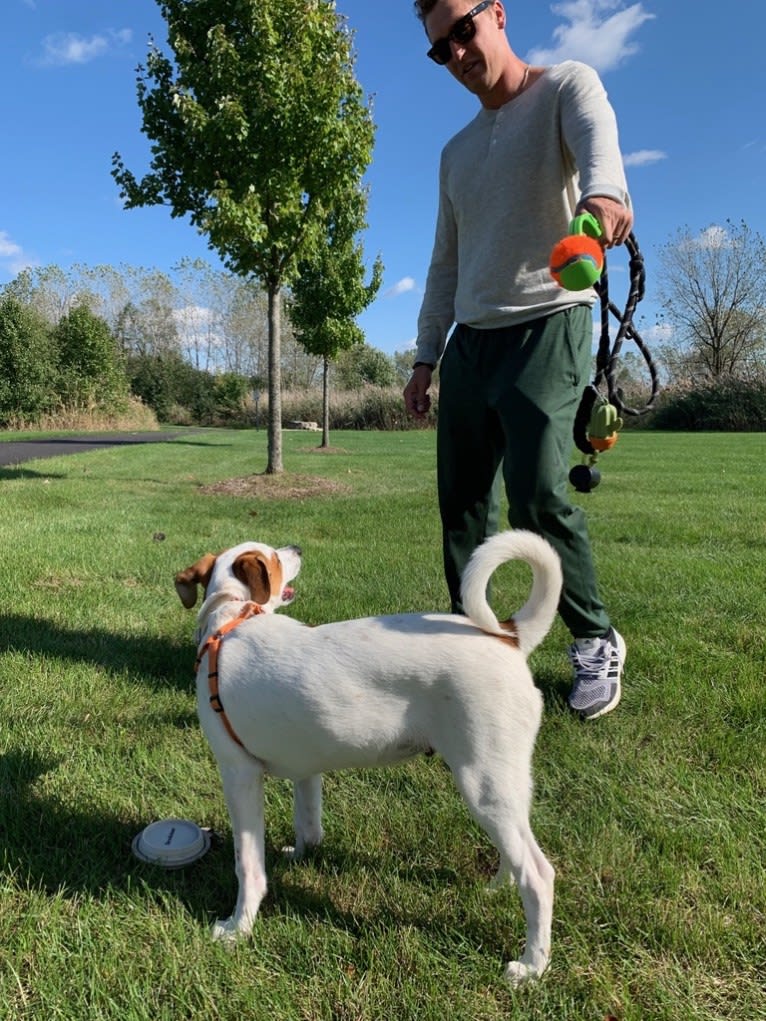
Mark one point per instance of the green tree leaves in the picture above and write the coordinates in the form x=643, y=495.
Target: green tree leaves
x=259, y=131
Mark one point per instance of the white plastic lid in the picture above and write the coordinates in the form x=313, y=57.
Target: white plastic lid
x=171, y=843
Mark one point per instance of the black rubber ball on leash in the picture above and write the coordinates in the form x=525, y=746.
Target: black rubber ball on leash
x=584, y=477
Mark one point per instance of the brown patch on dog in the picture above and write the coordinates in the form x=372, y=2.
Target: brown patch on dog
x=198, y=574
x=282, y=486
x=513, y=636
x=261, y=574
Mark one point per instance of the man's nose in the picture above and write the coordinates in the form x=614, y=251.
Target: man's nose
x=458, y=49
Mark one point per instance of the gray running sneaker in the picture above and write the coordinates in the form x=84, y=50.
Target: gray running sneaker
x=597, y=666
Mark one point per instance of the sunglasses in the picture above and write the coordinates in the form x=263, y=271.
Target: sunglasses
x=462, y=32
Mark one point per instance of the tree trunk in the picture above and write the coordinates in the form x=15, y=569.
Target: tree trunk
x=274, y=465
x=325, y=401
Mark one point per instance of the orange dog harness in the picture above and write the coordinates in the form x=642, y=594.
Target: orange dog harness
x=212, y=647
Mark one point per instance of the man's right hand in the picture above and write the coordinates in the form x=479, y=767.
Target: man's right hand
x=416, y=399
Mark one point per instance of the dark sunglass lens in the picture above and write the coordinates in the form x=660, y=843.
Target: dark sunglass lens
x=464, y=30
x=441, y=51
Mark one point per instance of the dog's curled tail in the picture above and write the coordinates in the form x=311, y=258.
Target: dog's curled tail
x=533, y=621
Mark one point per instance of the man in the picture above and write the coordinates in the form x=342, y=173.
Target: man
x=543, y=147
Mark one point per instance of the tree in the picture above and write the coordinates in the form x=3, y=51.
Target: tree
x=257, y=125
x=713, y=292
x=403, y=365
x=364, y=365
x=27, y=362
x=91, y=370
x=50, y=291
x=329, y=292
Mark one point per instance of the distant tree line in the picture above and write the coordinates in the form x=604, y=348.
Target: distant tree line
x=192, y=346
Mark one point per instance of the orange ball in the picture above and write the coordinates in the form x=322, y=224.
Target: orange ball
x=576, y=262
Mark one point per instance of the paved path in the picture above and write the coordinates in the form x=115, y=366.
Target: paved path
x=19, y=451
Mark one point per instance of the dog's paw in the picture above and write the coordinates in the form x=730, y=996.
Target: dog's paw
x=301, y=850
x=500, y=881
x=517, y=973
x=226, y=931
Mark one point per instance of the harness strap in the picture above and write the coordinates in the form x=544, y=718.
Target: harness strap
x=212, y=647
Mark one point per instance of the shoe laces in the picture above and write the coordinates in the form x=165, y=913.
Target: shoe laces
x=590, y=663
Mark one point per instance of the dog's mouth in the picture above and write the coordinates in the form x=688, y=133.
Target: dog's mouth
x=288, y=594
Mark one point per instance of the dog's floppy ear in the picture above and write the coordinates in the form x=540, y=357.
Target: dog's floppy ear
x=261, y=574
x=197, y=574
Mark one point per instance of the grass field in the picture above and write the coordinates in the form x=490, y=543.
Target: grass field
x=654, y=817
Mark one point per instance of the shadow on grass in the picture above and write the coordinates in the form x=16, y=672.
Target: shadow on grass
x=70, y=850
x=20, y=472
x=555, y=689
x=143, y=658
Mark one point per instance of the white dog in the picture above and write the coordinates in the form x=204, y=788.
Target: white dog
x=296, y=701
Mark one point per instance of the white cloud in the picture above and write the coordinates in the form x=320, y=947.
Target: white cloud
x=597, y=32
x=713, y=237
x=195, y=320
x=8, y=248
x=12, y=255
x=65, y=48
x=658, y=333
x=401, y=287
x=644, y=157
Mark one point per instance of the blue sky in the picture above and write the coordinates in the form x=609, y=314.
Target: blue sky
x=687, y=80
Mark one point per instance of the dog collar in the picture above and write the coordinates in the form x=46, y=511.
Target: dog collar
x=212, y=646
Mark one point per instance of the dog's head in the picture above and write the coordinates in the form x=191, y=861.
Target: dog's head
x=250, y=571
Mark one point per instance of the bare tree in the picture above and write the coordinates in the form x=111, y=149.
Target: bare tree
x=712, y=289
x=51, y=291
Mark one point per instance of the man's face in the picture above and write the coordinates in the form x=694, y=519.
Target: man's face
x=477, y=63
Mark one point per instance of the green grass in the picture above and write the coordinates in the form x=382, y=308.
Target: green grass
x=654, y=816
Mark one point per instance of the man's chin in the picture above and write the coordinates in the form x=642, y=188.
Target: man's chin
x=472, y=78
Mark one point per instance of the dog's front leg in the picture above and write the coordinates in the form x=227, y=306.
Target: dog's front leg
x=243, y=788
x=307, y=815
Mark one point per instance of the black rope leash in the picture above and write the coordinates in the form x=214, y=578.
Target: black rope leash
x=606, y=359
x=608, y=354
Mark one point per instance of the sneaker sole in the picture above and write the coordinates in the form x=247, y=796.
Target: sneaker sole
x=607, y=708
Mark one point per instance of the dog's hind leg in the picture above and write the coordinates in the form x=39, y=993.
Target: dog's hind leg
x=534, y=877
x=504, y=820
x=243, y=788
x=307, y=814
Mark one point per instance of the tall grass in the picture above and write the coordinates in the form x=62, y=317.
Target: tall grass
x=130, y=414
x=654, y=816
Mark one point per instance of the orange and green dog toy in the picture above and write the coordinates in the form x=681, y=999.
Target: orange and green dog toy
x=578, y=259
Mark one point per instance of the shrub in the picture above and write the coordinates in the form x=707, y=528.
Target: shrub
x=730, y=405
x=175, y=390
x=131, y=414
x=27, y=364
x=368, y=407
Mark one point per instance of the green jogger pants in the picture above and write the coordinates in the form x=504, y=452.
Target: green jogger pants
x=508, y=397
